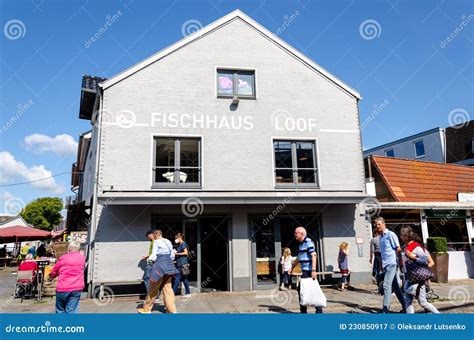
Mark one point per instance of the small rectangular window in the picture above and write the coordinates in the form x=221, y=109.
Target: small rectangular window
x=295, y=163
x=177, y=161
x=232, y=83
x=389, y=153
x=419, y=149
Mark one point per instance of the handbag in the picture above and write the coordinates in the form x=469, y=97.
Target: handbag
x=185, y=269
x=416, y=272
x=311, y=293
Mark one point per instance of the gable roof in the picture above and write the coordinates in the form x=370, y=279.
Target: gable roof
x=420, y=181
x=8, y=219
x=237, y=14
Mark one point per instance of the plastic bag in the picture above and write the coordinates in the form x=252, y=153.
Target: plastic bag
x=311, y=293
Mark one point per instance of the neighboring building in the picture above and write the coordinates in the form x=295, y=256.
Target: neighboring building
x=192, y=140
x=12, y=221
x=436, y=199
x=460, y=144
x=454, y=144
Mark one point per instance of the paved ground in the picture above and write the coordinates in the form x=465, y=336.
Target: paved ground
x=455, y=297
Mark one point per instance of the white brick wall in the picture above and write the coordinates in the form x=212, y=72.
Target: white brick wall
x=184, y=83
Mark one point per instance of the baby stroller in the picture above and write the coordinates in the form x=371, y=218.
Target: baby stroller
x=25, y=285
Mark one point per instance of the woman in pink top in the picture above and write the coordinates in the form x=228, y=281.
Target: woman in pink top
x=70, y=269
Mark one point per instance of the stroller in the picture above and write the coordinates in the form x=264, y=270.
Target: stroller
x=25, y=285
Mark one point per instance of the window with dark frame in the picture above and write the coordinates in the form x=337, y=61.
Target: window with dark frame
x=240, y=83
x=389, y=153
x=295, y=163
x=177, y=161
x=419, y=149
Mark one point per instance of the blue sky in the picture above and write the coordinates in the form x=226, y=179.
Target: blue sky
x=410, y=74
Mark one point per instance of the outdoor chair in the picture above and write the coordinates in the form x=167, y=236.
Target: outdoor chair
x=25, y=284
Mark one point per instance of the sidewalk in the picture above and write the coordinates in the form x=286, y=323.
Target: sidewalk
x=455, y=297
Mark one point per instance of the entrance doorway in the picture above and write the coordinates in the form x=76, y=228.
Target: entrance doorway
x=270, y=237
x=208, y=248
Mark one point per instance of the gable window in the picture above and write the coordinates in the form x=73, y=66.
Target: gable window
x=295, y=163
x=177, y=161
x=419, y=149
x=232, y=83
x=389, y=153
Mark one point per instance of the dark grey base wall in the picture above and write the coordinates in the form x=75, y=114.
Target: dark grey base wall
x=241, y=284
x=361, y=277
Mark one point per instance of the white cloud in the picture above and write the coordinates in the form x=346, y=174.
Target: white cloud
x=5, y=195
x=13, y=169
x=61, y=145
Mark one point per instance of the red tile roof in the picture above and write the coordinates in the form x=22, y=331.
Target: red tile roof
x=420, y=181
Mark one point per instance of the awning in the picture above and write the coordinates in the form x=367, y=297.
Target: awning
x=20, y=233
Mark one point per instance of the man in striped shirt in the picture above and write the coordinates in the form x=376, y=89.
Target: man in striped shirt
x=307, y=260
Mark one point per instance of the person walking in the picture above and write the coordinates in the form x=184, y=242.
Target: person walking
x=416, y=260
x=70, y=272
x=161, y=275
x=182, y=265
x=390, y=252
x=376, y=260
x=307, y=260
x=286, y=263
x=149, y=264
x=343, y=263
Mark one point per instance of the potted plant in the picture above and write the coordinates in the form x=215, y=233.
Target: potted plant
x=438, y=247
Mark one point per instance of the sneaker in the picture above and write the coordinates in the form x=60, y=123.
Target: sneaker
x=187, y=296
x=143, y=311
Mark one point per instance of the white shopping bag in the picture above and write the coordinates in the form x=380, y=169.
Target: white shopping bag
x=311, y=294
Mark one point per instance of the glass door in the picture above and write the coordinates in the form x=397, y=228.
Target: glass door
x=264, y=248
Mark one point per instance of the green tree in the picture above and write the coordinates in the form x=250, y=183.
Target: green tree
x=43, y=213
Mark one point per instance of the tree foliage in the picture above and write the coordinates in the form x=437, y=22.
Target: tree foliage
x=43, y=213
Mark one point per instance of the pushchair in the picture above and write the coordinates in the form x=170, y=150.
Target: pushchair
x=25, y=285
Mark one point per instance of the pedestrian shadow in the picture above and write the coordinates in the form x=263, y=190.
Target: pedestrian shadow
x=356, y=308
x=454, y=306
x=277, y=309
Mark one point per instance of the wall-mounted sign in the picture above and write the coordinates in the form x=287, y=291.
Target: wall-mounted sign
x=446, y=214
x=78, y=236
x=359, y=240
x=466, y=197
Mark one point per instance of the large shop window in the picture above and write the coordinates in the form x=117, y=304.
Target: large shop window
x=295, y=163
x=177, y=162
x=454, y=230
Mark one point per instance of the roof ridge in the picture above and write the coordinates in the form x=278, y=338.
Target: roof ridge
x=424, y=162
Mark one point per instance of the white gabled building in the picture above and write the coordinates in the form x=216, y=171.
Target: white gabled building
x=233, y=137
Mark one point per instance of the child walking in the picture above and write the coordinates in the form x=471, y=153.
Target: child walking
x=286, y=263
x=343, y=262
